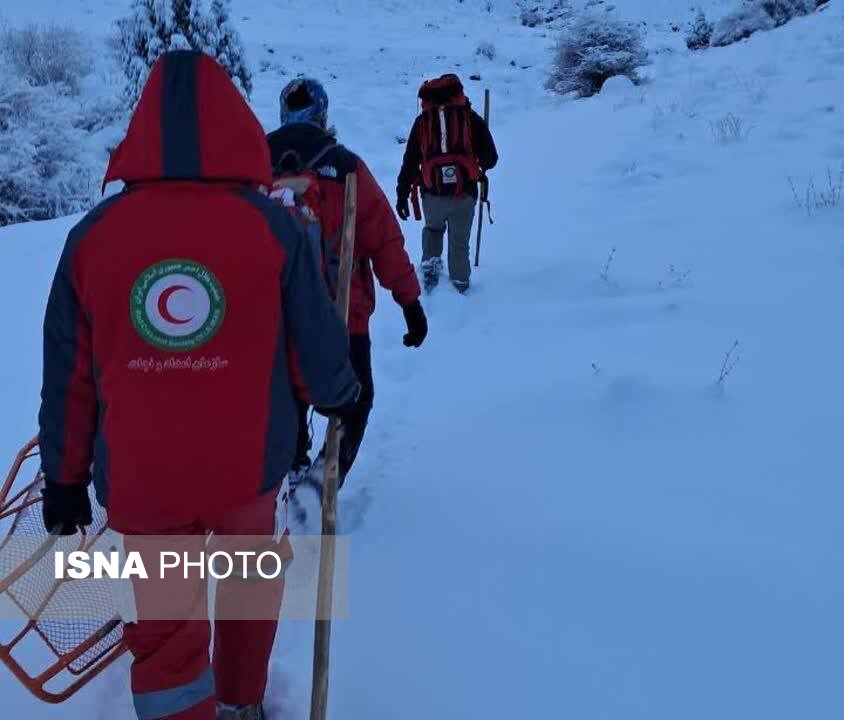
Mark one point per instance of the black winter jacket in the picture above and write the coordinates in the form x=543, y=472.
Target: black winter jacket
x=482, y=143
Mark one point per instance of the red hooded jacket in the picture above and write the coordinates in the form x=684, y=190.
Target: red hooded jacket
x=171, y=312
x=379, y=243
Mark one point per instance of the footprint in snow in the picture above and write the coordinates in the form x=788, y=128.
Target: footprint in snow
x=352, y=510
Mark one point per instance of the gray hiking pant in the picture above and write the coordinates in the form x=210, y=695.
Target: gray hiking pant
x=457, y=214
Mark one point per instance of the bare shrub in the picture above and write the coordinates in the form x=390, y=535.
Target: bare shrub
x=486, y=49
x=605, y=270
x=730, y=129
x=677, y=279
x=731, y=360
x=817, y=198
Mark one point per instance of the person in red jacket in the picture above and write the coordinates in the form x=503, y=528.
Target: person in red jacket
x=166, y=344
x=303, y=142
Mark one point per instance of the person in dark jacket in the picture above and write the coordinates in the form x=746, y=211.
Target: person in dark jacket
x=303, y=142
x=448, y=168
x=166, y=343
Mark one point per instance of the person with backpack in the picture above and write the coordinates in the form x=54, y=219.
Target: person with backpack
x=166, y=379
x=309, y=175
x=448, y=153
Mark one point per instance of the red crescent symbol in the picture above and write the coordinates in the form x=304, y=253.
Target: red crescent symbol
x=164, y=311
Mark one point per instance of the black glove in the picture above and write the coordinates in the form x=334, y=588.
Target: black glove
x=403, y=207
x=66, y=508
x=417, y=324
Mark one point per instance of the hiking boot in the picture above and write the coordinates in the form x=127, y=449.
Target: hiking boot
x=240, y=712
x=316, y=475
x=461, y=286
x=431, y=270
x=298, y=474
x=306, y=500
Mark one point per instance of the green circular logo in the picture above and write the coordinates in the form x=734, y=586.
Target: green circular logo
x=177, y=305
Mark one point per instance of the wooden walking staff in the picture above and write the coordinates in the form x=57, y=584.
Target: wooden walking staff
x=483, y=192
x=322, y=629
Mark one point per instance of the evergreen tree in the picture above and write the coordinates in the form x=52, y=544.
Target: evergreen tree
x=200, y=28
x=177, y=23
x=700, y=32
x=156, y=26
x=181, y=16
x=141, y=42
x=226, y=45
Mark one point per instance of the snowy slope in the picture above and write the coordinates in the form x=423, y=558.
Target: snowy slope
x=556, y=513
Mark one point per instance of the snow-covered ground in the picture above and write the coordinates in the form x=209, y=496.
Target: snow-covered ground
x=558, y=511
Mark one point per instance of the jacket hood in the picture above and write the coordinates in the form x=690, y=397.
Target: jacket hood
x=191, y=123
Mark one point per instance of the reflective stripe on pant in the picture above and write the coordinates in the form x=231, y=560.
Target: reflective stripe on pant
x=171, y=673
x=457, y=214
x=195, y=699
x=172, y=677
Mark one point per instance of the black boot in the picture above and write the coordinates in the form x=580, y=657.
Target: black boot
x=431, y=270
x=240, y=712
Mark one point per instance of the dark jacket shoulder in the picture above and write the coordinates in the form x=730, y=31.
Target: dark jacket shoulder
x=298, y=147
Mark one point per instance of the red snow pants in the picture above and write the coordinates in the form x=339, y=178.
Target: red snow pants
x=173, y=677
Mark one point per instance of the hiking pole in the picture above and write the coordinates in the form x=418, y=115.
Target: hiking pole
x=483, y=190
x=325, y=588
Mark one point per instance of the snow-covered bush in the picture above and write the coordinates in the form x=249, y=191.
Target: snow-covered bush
x=591, y=50
x=156, y=26
x=531, y=18
x=533, y=13
x=699, y=34
x=45, y=54
x=757, y=15
x=486, y=49
x=41, y=173
x=96, y=112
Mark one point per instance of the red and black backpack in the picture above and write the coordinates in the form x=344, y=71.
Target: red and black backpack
x=296, y=187
x=446, y=136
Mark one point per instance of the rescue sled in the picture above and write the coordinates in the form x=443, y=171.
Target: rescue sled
x=53, y=658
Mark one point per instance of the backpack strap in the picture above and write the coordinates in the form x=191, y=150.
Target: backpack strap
x=483, y=188
x=291, y=160
x=414, y=197
x=312, y=163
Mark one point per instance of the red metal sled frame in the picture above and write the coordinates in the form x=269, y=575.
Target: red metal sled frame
x=13, y=505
